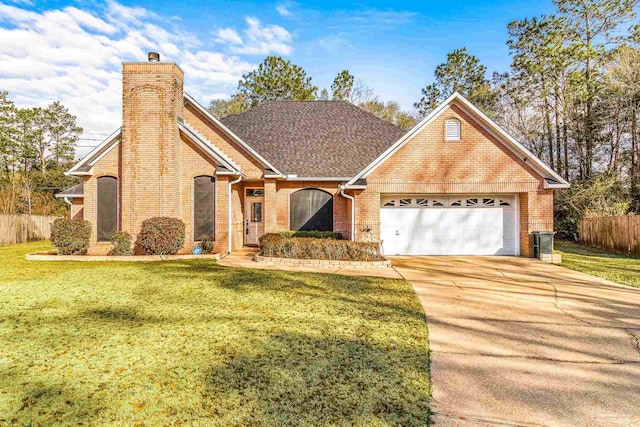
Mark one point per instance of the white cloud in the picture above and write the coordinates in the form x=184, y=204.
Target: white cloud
x=258, y=39
x=283, y=10
x=229, y=35
x=75, y=55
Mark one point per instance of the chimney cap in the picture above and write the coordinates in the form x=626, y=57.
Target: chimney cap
x=153, y=57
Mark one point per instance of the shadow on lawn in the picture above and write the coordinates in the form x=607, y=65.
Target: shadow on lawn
x=51, y=405
x=375, y=296
x=300, y=380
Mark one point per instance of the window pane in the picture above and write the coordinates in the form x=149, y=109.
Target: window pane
x=311, y=209
x=107, y=207
x=255, y=192
x=256, y=212
x=203, y=207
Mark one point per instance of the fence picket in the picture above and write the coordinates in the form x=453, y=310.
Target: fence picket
x=24, y=228
x=616, y=233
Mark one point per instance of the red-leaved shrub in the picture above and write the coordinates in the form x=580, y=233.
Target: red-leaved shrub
x=161, y=235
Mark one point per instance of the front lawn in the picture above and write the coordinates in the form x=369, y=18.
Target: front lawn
x=617, y=268
x=194, y=343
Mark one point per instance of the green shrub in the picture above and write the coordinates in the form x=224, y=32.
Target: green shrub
x=314, y=234
x=567, y=229
x=71, y=236
x=207, y=244
x=161, y=235
x=275, y=245
x=121, y=244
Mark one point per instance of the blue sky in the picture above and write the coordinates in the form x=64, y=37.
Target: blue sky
x=71, y=50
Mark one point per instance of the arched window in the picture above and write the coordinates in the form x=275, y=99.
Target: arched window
x=203, y=207
x=452, y=130
x=107, y=221
x=311, y=209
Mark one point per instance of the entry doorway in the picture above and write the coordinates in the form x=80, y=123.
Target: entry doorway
x=253, y=215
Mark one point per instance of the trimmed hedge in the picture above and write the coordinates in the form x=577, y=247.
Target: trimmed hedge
x=314, y=234
x=121, y=244
x=275, y=245
x=161, y=235
x=71, y=236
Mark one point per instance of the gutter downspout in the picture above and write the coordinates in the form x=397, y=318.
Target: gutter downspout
x=229, y=231
x=67, y=200
x=353, y=211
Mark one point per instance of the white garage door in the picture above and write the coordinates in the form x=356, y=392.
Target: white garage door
x=448, y=225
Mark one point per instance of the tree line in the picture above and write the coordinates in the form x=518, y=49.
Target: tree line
x=278, y=79
x=37, y=145
x=571, y=95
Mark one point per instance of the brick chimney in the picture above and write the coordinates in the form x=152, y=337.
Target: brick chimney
x=152, y=102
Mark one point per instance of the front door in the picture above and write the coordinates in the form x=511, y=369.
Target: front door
x=253, y=213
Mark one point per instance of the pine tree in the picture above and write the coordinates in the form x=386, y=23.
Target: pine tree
x=276, y=79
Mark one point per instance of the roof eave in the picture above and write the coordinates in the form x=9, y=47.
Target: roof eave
x=71, y=196
x=209, y=150
x=73, y=171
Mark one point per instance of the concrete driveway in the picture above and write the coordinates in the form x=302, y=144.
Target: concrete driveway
x=518, y=342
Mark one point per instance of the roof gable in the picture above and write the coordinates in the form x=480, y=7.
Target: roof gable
x=209, y=148
x=551, y=178
x=83, y=167
x=218, y=124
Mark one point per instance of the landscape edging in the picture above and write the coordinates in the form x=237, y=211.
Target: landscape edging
x=39, y=256
x=323, y=263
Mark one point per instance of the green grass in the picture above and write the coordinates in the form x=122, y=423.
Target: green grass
x=194, y=343
x=617, y=268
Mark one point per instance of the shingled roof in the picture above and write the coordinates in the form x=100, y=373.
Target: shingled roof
x=314, y=138
x=75, y=191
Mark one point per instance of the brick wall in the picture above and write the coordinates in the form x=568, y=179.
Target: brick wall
x=77, y=208
x=152, y=102
x=477, y=163
x=193, y=163
x=250, y=167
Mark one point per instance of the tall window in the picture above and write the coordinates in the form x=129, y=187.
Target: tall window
x=203, y=207
x=107, y=207
x=311, y=209
x=452, y=130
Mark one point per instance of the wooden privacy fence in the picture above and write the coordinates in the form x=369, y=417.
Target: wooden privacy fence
x=616, y=233
x=24, y=228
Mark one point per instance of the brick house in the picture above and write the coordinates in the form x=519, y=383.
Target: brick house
x=454, y=184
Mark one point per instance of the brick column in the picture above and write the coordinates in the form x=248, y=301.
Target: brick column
x=367, y=215
x=152, y=103
x=270, y=209
x=536, y=214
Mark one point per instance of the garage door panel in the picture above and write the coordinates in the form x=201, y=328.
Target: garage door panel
x=472, y=228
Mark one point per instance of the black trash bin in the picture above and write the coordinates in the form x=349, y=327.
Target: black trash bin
x=542, y=243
